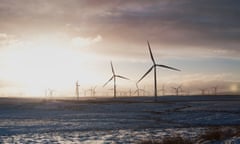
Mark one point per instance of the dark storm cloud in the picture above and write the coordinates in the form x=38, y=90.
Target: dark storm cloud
x=212, y=25
x=187, y=23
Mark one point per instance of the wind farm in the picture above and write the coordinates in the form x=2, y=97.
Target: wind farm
x=114, y=111
x=119, y=72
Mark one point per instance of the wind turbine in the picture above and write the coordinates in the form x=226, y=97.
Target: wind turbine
x=123, y=93
x=77, y=90
x=203, y=91
x=130, y=92
x=114, y=76
x=111, y=89
x=177, y=89
x=51, y=91
x=162, y=90
x=93, y=90
x=84, y=92
x=138, y=90
x=215, y=90
x=209, y=91
x=154, y=67
x=46, y=92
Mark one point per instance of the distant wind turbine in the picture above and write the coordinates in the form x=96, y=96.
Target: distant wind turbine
x=51, y=91
x=177, y=89
x=114, y=76
x=208, y=91
x=215, y=90
x=203, y=91
x=138, y=90
x=154, y=67
x=111, y=89
x=93, y=90
x=130, y=92
x=162, y=90
x=84, y=92
x=46, y=92
x=77, y=90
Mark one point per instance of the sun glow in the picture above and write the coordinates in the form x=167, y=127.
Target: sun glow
x=234, y=88
x=43, y=63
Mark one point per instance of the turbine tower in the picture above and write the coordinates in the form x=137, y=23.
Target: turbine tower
x=77, y=90
x=154, y=67
x=114, y=76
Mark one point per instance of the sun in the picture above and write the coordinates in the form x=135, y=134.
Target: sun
x=40, y=64
x=48, y=61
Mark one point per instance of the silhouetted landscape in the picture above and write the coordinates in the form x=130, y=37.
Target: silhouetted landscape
x=123, y=120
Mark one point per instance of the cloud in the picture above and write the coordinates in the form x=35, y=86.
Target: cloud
x=3, y=36
x=190, y=25
x=84, y=42
x=4, y=83
x=178, y=24
x=8, y=40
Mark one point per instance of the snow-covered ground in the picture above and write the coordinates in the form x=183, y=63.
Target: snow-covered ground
x=124, y=120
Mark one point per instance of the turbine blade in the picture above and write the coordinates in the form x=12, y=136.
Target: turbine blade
x=108, y=81
x=112, y=68
x=137, y=85
x=145, y=74
x=151, y=53
x=122, y=77
x=168, y=67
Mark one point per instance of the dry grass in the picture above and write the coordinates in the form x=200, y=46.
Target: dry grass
x=237, y=134
x=168, y=140
x=176, y=140
x=216, y=133
x=149, y=142
x=211, y=134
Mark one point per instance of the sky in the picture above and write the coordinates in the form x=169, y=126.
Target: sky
x=52, y=44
